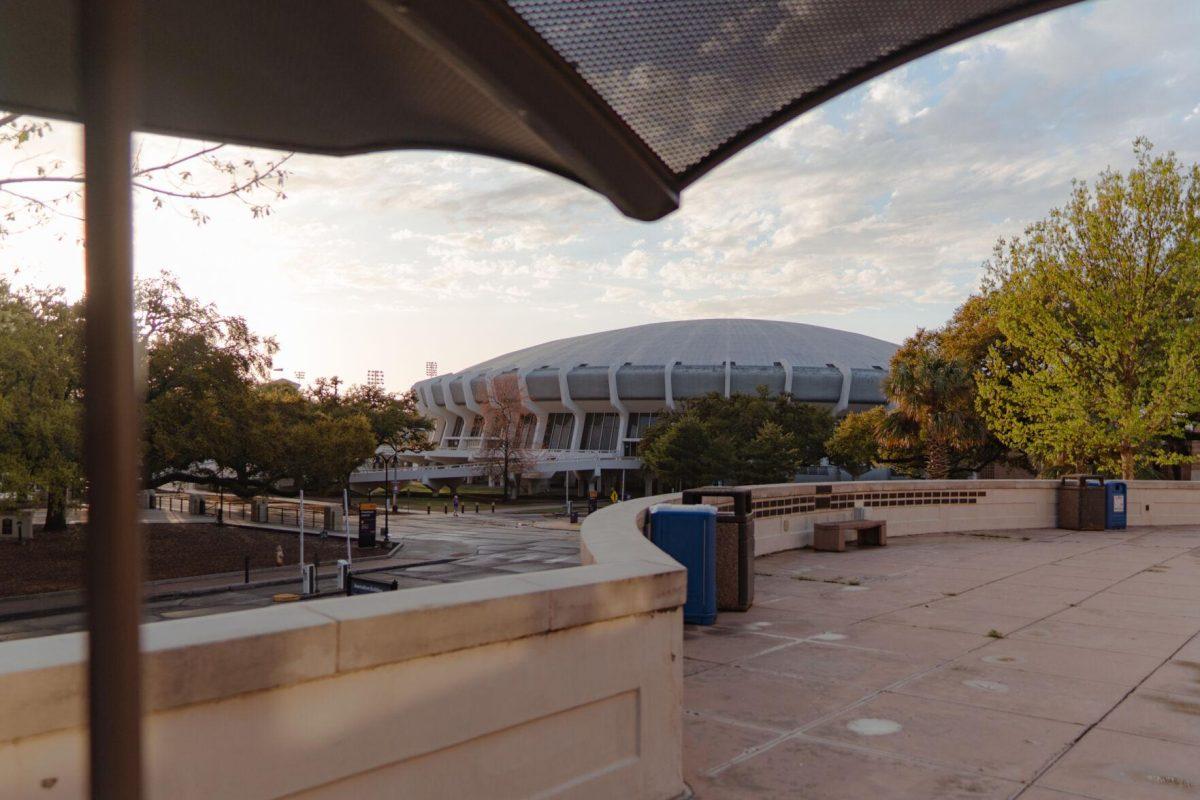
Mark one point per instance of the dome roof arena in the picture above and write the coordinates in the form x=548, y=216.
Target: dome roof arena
x=651, y=367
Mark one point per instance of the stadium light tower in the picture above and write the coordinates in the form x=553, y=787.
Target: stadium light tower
x=431, y=369
x=375, y=378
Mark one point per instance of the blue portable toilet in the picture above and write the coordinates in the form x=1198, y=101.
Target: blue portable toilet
x=688, y=534
x=1116, y=501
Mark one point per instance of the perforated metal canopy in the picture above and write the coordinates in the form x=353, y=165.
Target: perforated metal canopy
x=633, y=98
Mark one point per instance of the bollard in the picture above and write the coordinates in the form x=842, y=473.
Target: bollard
x=445, y=509
x=493, y=506
x=427, y=511
x=246, y=566
x=477, y=508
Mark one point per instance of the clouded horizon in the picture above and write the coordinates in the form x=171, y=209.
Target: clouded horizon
x=872, y=213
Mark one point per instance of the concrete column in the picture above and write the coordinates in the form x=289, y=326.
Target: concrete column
x=564, y=392
x=787, y=376
x=668, y=393
x=426, y=406
x=844, y=400
x=453, y=407
x=614, y=398
x=542, y=415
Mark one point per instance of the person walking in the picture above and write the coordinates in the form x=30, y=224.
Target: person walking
x=456, y=504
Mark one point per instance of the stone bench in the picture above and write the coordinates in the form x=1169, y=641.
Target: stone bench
x=831, y=536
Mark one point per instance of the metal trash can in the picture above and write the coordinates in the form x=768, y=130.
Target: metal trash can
x=1116, y=501
x=689, y=535
x=1081, y=503
x=735, y=546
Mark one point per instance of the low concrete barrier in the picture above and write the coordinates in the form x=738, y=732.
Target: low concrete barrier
x=785, y=513
x=562, y=683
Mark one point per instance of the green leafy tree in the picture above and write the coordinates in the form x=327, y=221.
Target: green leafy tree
x=323, y=449
x=933, y=422
x=1099, y=303
x=682, y=453
x=772, y=456
x=40, y=336
x=733, y=426
x=201, y=371
x=854, y=445
x=394, y=419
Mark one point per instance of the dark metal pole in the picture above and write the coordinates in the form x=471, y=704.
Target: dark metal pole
x=109, y=70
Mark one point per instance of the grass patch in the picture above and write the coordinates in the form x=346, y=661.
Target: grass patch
x=995, y=634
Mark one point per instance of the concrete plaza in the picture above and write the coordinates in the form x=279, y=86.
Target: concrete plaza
x=1045, y=665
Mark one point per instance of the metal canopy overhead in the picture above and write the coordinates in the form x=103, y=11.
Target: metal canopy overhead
x=633, y=98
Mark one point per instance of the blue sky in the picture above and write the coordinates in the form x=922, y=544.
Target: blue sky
x=873, y=213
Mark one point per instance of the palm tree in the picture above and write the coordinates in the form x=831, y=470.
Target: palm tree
x=933, y=399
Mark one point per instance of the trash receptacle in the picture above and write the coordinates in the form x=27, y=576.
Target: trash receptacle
x=1116, y=501
x=735, y=545
x=689, y=535
x=1081, y=503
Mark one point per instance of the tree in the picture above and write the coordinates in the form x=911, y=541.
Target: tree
x=933, y=422
x=1099, y=304
x=394, y=419
x=772, y=456
x=810, y=426
x=854, y=445
x=682, y=453
x=40, y=386
x=201, y=368
x=322, y=450
x=733, y=427
x=43, y=187
x=506, y=425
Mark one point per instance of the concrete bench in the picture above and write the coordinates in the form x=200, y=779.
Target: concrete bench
x=831, y=536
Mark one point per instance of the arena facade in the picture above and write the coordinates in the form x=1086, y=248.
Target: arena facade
x=589, y=398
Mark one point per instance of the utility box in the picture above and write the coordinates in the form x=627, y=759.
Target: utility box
x=366, y=525
x=1081, y=503
x=16, y=526
x=331, y=518
x=196, y=503
x=1116, y=503
x=735, y=546
x=308, y=579
x=689, y=535
x=259, y=509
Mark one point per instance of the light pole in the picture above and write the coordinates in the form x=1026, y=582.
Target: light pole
x=387, y=500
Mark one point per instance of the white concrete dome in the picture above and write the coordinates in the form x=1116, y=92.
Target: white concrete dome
x=664, y=362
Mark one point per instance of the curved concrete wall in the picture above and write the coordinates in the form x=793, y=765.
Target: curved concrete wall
x=553, y=684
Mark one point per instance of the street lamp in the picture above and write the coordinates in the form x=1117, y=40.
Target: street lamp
x=387, y=500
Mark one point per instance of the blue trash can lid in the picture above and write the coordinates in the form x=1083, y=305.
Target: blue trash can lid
x=678, y=509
